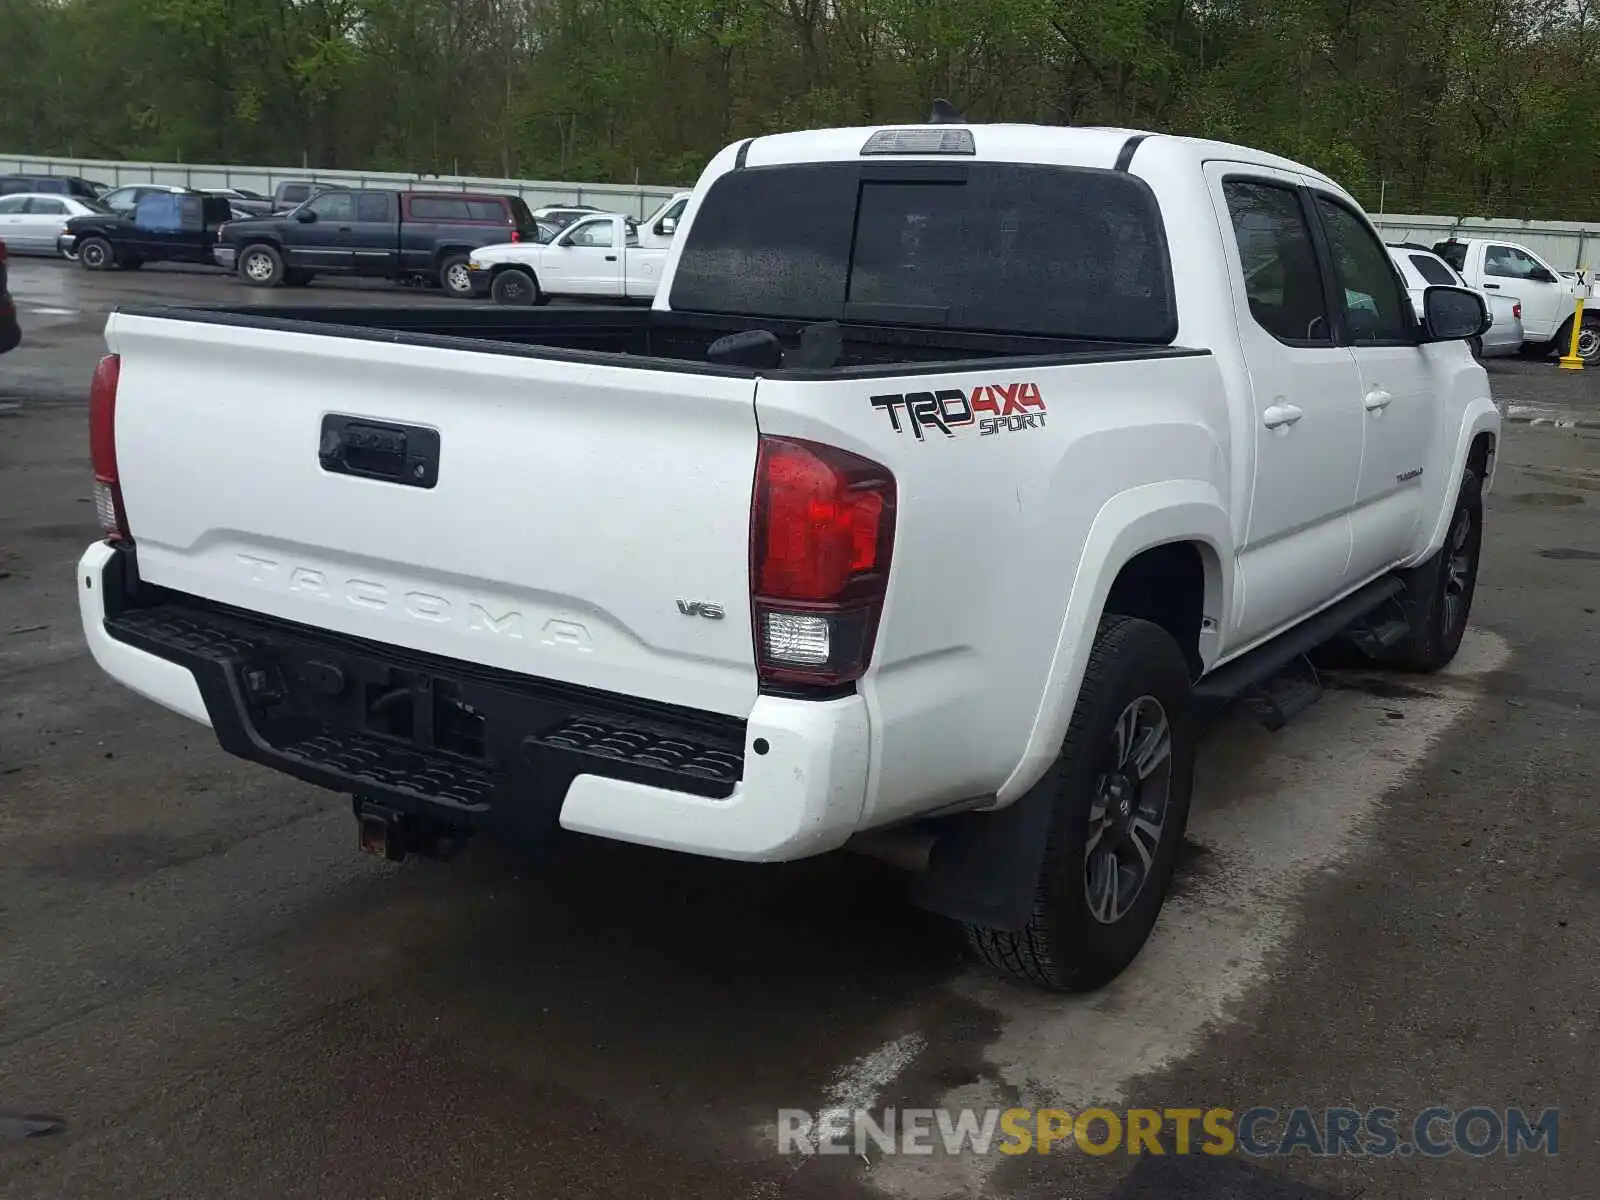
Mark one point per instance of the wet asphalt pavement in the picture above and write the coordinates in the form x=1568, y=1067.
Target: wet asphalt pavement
x=1395, y=902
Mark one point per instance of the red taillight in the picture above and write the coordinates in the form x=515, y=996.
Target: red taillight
x=103, y=449
x=1516, y=311
x=821, y=534
x=516, y=235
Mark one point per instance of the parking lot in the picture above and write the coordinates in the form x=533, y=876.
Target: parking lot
x=1392, y=903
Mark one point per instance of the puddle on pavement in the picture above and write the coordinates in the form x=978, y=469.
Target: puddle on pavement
x=1544, y=499
x=1372, y=685
x=14, y=1127
x=1583, y=481
x=1567, y=554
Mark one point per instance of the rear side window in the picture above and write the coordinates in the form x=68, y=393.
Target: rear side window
x=522, y=216
x=47, y=208
x=439, y=208
x=373, y=207
x=1432, y=270
x=487, y=210
x=1062, y=251
x=1282, y=282
x=10, y=187
x=159, y=212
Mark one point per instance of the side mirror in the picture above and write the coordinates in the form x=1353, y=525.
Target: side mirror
x=304, y=215
x=1452, y=314
x=667, y=226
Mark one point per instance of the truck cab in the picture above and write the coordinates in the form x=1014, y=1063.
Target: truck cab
x=656, y=230
x=1547, y=296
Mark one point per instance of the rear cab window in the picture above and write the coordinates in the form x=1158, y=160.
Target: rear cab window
x=1432, y=270
x=1454, y=253
x=995, y=247
x=1283, y=283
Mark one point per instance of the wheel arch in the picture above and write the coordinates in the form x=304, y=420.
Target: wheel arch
x=1137, y=536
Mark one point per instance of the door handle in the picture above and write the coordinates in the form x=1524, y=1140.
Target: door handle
x=1377, y=400
x=1493, y=287
x=611, y=258
x=1279, y=415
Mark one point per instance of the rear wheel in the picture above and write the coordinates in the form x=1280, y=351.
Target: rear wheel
x=1120, y=802
x=1438, y=596
x=515, y=288
x=1589, y=340
x=95, y=254
x=261, y=266
x=454, y=277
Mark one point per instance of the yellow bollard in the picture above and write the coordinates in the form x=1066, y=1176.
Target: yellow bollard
x=1570, y=360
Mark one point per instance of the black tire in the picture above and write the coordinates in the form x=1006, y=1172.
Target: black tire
x=454, y=277
x=261, y=265
x=1438, y=597
x=515, y=288
x=1588, y=340
x=1476, y=346
x=95, y=254
x=1065, y=945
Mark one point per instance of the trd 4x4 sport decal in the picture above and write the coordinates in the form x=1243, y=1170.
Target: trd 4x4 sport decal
x=1009, y=406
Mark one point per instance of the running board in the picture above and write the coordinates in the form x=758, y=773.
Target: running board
x=1267, y=660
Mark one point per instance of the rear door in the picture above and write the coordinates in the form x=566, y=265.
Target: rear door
x=46, y=218
x=1306, y=403
x=14, y=221
x=375, y=233
x=570, y=510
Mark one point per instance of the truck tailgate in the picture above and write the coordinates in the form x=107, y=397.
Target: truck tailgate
x=585, y=523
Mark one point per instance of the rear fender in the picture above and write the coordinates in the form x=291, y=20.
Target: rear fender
x=1183, y=510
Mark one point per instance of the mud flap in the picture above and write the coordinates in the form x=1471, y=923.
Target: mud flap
x=985, y=867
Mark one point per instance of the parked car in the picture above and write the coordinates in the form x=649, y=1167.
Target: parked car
x=921, y=513
x=562, y=215
x=10, y=327
x=50, y=185
x=1420, y=269
x=293, y=193
x=163, y=227
x=1548, y=298
x=33, y=223
x=656, y=230
x=385, y=234
x=245, y=204
x=597, y=256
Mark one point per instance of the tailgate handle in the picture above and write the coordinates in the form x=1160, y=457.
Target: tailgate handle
x=403, y=454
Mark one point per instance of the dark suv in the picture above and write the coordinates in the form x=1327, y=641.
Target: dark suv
x=54, y=185
x=383, y=234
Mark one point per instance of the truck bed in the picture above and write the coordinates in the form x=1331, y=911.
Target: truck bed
x=672, y=341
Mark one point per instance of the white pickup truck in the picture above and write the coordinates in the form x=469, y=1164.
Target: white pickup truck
x=1547, y=296
x=954, y=472
x=658, y=229
x=599, y=256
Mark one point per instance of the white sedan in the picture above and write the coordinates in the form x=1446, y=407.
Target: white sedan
x=31, y=222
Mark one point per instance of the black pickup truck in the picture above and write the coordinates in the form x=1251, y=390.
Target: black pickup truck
x=10, y=330
x=161, y=227
x=404, y=236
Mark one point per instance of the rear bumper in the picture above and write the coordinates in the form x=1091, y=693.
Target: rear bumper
x=473, y=748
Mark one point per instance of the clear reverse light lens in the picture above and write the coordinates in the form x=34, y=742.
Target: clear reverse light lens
x=797, y=639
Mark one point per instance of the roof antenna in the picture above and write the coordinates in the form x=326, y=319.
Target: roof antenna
x=945, y=113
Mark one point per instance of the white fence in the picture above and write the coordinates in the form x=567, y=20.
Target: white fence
x=1568, y=245
x=1565, y=245
x=636, y=199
